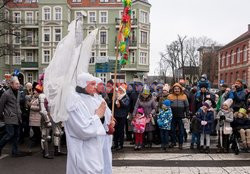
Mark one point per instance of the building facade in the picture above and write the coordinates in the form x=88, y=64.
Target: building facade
x=40, y=25
x=234, y=60
x=208, y=63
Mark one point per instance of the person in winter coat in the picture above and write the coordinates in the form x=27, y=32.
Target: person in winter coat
x=35, y=118
x=164, y=122
x=238, y=95
x=225, y=117
x=241, y=123
x=147, y=102
x=222, y=99
x=121, y=113
x=180, y=109
x=206, y=117
x=195, y=130
x=139, y=124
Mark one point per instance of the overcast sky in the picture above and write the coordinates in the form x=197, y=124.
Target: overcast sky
x=220, y=20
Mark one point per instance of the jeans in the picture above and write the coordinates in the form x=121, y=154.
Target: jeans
x=177, y=122
x=164, y=137
x=119, y=131
x=195, y=138
x=11, y=134
x=207, y=136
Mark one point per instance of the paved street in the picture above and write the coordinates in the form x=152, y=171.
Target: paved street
x=146, y=161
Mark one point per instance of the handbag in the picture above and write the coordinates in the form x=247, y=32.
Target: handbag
x=227, y=130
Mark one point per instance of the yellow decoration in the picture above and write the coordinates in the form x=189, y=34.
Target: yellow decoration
x=126, y=32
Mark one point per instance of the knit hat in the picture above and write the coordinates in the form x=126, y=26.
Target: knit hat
x=228, y=102
x=203, y=85
x=39, y=88
x=243, y=111
x=146, y=90
x=140, y=110
x=207, y=103
x=166, y=87
x=167, y=103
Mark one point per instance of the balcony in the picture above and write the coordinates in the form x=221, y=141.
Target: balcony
x=27, y=24
x=29, y=65
x=26, y=44
x=132, y=43
x=134, y=22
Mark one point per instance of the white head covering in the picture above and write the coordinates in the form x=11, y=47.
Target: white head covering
x=98, y=80
x=228, y=102
x=83, y=79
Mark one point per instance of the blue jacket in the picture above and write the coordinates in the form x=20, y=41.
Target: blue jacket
x=239, y=98
x=209, y=118
x=164, y=119
x=124, y=108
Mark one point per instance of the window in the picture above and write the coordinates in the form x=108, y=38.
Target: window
x=46, y=13
x=92, y=59
x=37, y=17
x=232, y=58
x=144, y=37
x=132, y=57
x=227, y=59
x=46, y=56
x=104, y=0
x=58, y=35
x=222, y=61
x=17, y=39
x=76, y=0
x=7, y=14
x=29, y=37
x=17, y=17
x=238, y=55
x=92, y=17
x=7, y=60
x=143, y=17
x=58, y=13
x=16, y=58
x=103, y=54
x=92, y=1
x=102, y=76
x=237, y=75
x=231, y=78
x=133, y=14
x=143, y=58
x=30, y=77
x=244, y=76
x=17, y=1
x=103, y=17
x=29, y=18
x=245, y=53
x=103, y=37
x=29, y=56
x=46, y=35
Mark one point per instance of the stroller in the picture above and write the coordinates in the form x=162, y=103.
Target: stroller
x=234, y=141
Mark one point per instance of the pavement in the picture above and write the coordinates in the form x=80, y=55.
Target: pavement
x=147, y=161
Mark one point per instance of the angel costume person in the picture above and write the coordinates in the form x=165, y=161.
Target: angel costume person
x=84, y=130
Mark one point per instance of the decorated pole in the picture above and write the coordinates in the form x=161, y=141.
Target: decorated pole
x=122, y=43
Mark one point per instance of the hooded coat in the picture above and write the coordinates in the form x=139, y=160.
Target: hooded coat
x=179, y=103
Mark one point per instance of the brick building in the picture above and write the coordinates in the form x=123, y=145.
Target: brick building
x=234, y=60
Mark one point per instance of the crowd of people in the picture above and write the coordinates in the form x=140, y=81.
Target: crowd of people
x=144, y=115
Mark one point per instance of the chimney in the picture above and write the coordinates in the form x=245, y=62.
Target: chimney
x=248, y=27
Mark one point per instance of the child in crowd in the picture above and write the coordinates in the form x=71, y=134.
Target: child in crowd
x=242, y=124
x=225, y=117
x=139, y=124
x=195, y=129
x=206, y=118
x=164, y=122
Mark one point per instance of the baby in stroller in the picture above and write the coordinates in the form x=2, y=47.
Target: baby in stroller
x=241, y=129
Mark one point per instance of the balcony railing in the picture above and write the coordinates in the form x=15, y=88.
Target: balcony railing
x=27, y=43
x=133, y=21
x=29, y=64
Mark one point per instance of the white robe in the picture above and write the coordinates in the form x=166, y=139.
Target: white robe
x=107, y=154
x=85, y=133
